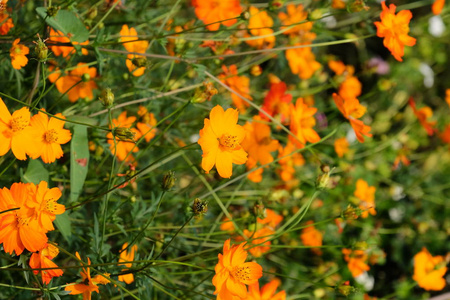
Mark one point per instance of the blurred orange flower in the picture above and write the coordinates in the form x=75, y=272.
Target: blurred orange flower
x=445, y=135
x=6, y=23
x=122, y=147
x=88, y=284
x=147, y=127
x=338, y=4
x=429, y=270
x=272, y=219
x=43, y=259
x=255, y=176
x=17, y=53
x=240, y=84
x=310, y=236
x=51, y=134
x=288, y=163
x=258, y=142
x=302, y=123
x=394, y=29
x=356, y=261
x=350, y=88
x=220, y=140
x=423, y=114
x=19, y=229
x=267, y=292
x=447, y=96
x=437, y=6
x=226, y=225
x=302, y=61
x=341, y=146
x=126, y=256
x=337, y=67
x=215, y=11
x=260, y=241
x=233, y=273
x=57, y=37
x=260, y=24
x=129, y=39
x=366, y=194
x=295, y=15
x=276, y=103
x=78, y=83
x=15, y=132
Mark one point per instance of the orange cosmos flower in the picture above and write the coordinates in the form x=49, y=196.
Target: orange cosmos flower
x=272, y=219
x=445, y=135
x=447, y=96
x=255, y=176
x=233, y=273
x=337, y=67
x=310, y=236
x=57, y=37
x=88, y=284
x=267, y=292
x=78, y=83
x=302, y=62
x=295, y=15
x=394, y=29
x=15, y=132
x=276, y=102
x=288, y=163
x=350, y=88
x=45, y=206
x=260, y=241
x=260, y=24
x=122, y=147
x=341, y=146
x=366, y=194
x=301, y=124
x=147, y=127
x=17, y=53
x=220, y=140
x=258, y=142
x=215, y=11
x=51, y=136
x=423, y=114
x=6, y=23
x=429, y=270
x=437, y=6
x=356, y=261
x=19, y=230
x=226, y=225
x=129, y=38
x=240, y=84
x=126, y=256
x=360, y=129
x=43, y=259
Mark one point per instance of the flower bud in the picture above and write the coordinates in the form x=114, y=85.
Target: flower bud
x=41, y=50
x=139, y=61
x=357, y=6
x=168, y=181
x=85, y=77
x=52, y=11
x=245, y=15
x=92, y=13
x=107, y=97
x=259, y=210
x=323, y=181
x=200, y=207
x=275, y=4
x=351, y=213
x=345, y=289
x=124, y=134
x=204, y=93
x=256, y=70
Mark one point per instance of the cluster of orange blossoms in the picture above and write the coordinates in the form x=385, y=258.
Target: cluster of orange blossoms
x=18, y=129
x=125, y=136
x=57, y=37
x=136, y=63
x=28, y=212
x=346, y=99
x=312, y=237
x=356, y=261
x=77, y=83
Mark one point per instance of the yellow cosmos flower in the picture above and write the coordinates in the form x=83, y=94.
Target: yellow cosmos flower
x=220, y=140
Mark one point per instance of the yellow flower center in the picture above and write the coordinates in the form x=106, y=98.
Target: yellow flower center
x=17, y=50
x=51, y=136
x=241, y=273
x=19, y=123
x=229, y=142
x=50, y=205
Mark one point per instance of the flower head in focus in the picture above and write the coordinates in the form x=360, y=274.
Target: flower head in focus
x=394, y=28
x=18, y=54
x=43, y=259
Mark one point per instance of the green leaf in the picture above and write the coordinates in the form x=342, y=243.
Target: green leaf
x=79, y=161
x=66, y=22
x=64, y=225
x=35, y=173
